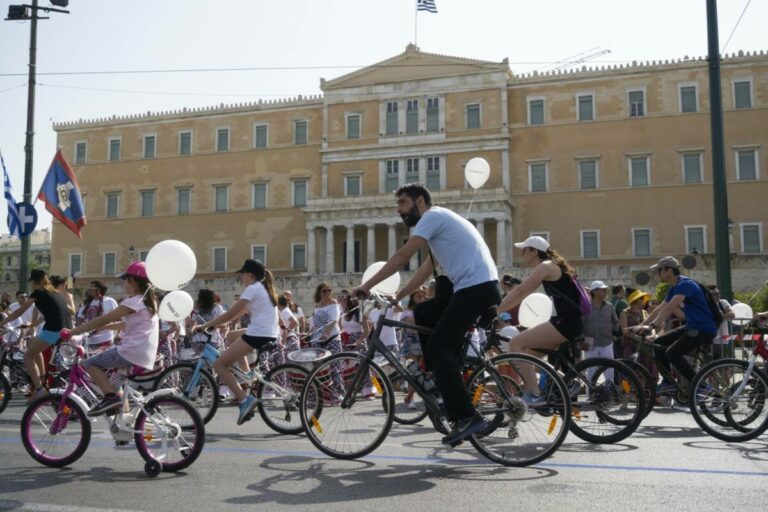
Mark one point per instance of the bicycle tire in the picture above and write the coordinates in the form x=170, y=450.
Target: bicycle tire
x=334, y=376
x=271, y=408
x=403, y=414
x=188, y=441
x=206, y=398
x=37, y=413
x=5, y=392
x=500, y=442
x=646, y=380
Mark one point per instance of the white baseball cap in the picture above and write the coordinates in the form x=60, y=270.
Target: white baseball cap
x=535, y=242
x=598, y=285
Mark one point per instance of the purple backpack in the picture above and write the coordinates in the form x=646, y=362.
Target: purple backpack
x=585, y=302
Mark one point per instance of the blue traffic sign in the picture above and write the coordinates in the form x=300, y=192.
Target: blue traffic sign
x=27, y=218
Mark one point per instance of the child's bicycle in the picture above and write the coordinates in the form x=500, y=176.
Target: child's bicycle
x=56, y=430
x=277, y=392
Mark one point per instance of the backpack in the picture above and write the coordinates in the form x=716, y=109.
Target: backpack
x=714, y=308
x=585, y=301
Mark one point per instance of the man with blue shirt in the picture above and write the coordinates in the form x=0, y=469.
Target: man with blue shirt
x=700, y=326
x=462, y=254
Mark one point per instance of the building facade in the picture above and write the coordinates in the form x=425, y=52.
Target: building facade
x=10, y=257
x=612, y=165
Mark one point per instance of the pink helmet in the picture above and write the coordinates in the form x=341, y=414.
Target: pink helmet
x=135, y=269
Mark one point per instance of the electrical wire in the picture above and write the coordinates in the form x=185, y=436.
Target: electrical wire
x=168, y=93
x=735, y=27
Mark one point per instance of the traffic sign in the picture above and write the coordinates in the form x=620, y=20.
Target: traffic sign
x=27, y=218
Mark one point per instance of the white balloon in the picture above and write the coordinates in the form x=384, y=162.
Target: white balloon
x=510, y=331
x=743, y=313
x=389, y=286
x=477, y=172
x=171, y=265
x=535, y=309
x=176, y=306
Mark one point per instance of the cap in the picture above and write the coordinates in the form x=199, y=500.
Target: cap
x=505, y=317
x=252, y=267
x=637, y=294
x=598, y=285
x=135, y=269
x=535, y=242
x=37, y=274
x=667, y=262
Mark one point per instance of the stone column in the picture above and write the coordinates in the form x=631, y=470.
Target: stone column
x=311, y=250
x=329, y=256
x=350, y=249
x=391, y=240
x=480, y=225
x=371, y=245
x=501, y=243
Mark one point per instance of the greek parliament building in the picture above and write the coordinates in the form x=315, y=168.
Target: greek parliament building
x=611, y=164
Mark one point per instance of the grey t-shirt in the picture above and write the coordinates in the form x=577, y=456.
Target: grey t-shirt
x=458, y=248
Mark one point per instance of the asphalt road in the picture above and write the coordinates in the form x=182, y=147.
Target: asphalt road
x=668, y=464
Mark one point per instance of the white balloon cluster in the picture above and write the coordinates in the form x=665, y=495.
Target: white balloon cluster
x=171, y=264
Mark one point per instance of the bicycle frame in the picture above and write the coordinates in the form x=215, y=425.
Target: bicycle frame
x=649, y=349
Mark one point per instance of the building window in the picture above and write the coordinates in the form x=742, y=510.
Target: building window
x=411, y=170
x=689, y=99
x=392, y=118
x=751, y=238
x=222, y=139
x=147, y=203
x=474, y=120
x=110, y=260
x=587, y=174
x=114, y=150
x=696, y=239
x=299, y=132
x=150, y=146
x=185, y=143
x=259, y=253
x=742, y=94
x=641, y=242
x=353, y=185
x=183, y=200
x=260, y=135
x=81, y=150
x=590, y=244
x=300, y=193
x=75, y=264
x=535, y=111
x=259, y=195
x=143, y=255
x=412, y=117
x=113, y=205
x=636, y=103
x=433, y=115
x=221, y=198
x=537, y=177
x=692, y=168
x=392, y=176
x=746, y=164
x=219, y=259
x=298, y=256
x=586, y=104
x=638, y=172
x=353, y=126
x=433, y=172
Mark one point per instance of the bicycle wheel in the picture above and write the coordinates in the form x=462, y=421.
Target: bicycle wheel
x=278, y=409
x=611, y=407
x=169, y=430
x=55, y=434
x=205, y=396
x=5, y=392
x=729, y=404
x=646, y=381
x=353, y=429
x=409, y=406
x=519, y=433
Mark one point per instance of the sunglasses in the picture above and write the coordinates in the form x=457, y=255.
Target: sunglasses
x=327, y=290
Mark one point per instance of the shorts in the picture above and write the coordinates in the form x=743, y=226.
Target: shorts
x=50, y=337
x=571, y=327
x=411, y=347
x=257, y=342
x=108, y=360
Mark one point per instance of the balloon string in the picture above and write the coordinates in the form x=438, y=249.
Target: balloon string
x=471, y=200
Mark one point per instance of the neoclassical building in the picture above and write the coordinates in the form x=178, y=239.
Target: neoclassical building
x=612, y=164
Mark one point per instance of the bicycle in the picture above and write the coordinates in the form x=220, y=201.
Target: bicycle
x=277, y=392
x=353, y=425
x=56, y=431
x=12, y=372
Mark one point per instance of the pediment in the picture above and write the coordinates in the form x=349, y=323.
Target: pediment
x=413, y=65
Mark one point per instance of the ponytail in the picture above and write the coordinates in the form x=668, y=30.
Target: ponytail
x=145, y=288
x=269, y=285
x=558, y=260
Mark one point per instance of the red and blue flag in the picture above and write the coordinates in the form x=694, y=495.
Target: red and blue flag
x=61, y=195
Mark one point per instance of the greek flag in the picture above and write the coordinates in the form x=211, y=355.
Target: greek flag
x=426, y=5
x=14, y=226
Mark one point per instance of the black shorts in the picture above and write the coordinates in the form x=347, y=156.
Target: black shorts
x=571, y=327
x=258, y=342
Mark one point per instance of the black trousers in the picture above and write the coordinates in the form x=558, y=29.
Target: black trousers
x=676, y=344
x=451, y=320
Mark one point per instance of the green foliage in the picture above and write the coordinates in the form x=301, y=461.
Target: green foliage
x=760, y=301
x=661, y=291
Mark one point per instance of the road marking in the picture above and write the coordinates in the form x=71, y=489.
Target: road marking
x=50, y=507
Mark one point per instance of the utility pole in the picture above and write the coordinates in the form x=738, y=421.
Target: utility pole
x=719, y=187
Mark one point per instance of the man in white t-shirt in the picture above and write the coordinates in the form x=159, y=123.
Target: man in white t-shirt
x=24, y=319
x=388, y=335
x=97, y=304
x=457, y=247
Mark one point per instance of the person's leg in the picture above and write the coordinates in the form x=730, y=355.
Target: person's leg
x=236, y=351
x=544, y=336
x=660, y=349
x=427, y=314
x=684, y=345
x=34, y=352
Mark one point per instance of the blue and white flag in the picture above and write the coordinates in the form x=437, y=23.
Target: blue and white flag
x=14, y=226
x=61, y=195
x=426, y=5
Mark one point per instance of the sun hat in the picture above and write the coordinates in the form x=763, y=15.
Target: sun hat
x=638, y=294
x=534, y=242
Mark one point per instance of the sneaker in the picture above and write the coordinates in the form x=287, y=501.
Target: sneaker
x=224, y=392
x=246, y=409
x=531, y=399
x=35, y=395
x=704, y=390
x=411, y=405
x=465, y=428
x=108, y=404
x=666, y=388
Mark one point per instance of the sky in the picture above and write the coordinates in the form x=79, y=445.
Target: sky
x=314, y=38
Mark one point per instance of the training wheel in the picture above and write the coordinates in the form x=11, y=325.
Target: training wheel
x=153, y=468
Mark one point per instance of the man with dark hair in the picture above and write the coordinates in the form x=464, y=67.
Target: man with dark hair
x=95, y=305
x=456, y=246
x=721, y=346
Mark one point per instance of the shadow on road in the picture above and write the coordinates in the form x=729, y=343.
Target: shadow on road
x=596, y=448
x=667, y=432
x=752, y=450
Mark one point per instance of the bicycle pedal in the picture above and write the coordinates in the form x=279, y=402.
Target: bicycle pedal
x=457, y=443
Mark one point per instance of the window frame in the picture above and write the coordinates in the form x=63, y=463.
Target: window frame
x=85, y=152
x=305, y=181
x=191, y=134
x=531, y=99
x=178, y=200
x=479, y=115
x=580, y=95
x=582, y=232
x=144, y=138
x=395, y=163
x=427, y=112
x=293, y=254
x=751, y=82
x=596, y=161
x=119, y=140
x=439, y=169
x=115, y=193
x=254, y=184
x=347, y=117
x=759, y=225
x=79, y=256
x=256, y=126
x=141, y=201
x=647, y=169
x=354, y=174
x=387, y=117
x=650, y=242
x=680, y=87
x=213, y=258
x=104, y=263
x=229, y=139
x=688, y=247
x=756, y=151
x=700, y=154
x=216, y=188
x=296, y=122
x=642, y=89
x=546, y=176
x=253, y=255
x=409, y=115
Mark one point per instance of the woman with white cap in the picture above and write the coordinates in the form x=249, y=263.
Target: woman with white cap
x=599, y=327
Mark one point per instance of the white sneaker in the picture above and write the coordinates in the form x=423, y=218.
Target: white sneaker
x=411, y=405
x=224, y=392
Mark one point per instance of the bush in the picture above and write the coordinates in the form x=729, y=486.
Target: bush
x=661, y=291
x=760, y=301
